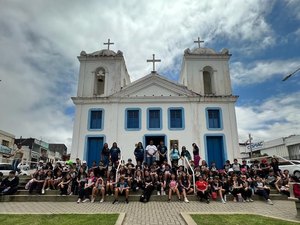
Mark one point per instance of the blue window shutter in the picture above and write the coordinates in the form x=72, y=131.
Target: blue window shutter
x=96, y=119
x=214, y=118
x=176, y=118
x=154, y=118
x=133, y=121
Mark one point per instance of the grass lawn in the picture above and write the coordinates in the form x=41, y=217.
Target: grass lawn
x=58, y=219
x=235, y=219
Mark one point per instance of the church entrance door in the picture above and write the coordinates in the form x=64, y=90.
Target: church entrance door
x=94, y=148
x=155, y=138
x=215, y=150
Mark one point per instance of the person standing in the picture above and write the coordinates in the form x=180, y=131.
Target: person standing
x=162, y=151
x=150, y=153
x=18, y=155
x=196, y=154
x=139, y=153
x=105, y=154
x=174, y=155
x=185, y=153
x=115, y=154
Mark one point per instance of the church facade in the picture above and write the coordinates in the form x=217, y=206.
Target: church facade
x=199, y=108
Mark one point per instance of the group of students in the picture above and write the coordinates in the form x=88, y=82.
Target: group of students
x=153, y=173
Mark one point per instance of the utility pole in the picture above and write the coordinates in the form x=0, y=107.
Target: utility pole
x=250, y=144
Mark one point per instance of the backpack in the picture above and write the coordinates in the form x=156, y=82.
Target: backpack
x=296, y=188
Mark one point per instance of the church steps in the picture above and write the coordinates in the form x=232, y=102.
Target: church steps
x=53, y=196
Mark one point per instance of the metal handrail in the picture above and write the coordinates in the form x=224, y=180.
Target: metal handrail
x=117, y=171
x=186, y=161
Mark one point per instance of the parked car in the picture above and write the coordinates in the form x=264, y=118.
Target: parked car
x=5, y=168
x=293, y=166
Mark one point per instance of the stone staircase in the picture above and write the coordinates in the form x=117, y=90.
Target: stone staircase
x=53, y=196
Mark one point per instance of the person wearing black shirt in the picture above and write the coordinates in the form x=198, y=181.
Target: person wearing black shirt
x=9, y=185
x=105, y=154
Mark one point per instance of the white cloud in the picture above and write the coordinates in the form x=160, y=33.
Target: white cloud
x=40, y=40
x=261, y=71
x=276, y=117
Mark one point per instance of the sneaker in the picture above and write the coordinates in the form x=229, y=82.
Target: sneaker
x=163, y=193
x=251, y=200
x=186, y=200
x=79, y=200
x=86, y=200
x=223, y=201
x=102, y=200
x=71, y=193
x=106, y=194
x=93, y=199
x=225, y=198
x=169, y=200
x=137, y=188
x=158, y=193
x=247, y=200
x=43, y=191
x=47, y=189
x=179, y=199
x=207, y=201
x=126, y=200
x=269, y=202
x=115, y=201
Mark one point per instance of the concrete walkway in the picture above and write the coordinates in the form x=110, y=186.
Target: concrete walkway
x=153, y=212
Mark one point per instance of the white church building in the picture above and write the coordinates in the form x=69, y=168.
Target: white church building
x=199, y=109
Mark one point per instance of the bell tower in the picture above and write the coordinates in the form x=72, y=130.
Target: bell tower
x=206, y=71
x=102, y=73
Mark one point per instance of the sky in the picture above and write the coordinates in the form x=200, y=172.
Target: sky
x=40, y=42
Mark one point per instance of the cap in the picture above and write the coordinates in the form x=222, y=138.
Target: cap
x=41, y=161
x=83, y=161
x=129, y=159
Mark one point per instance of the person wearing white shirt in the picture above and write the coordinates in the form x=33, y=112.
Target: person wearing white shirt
x=150, y=153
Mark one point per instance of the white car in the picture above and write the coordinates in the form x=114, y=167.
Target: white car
x=293, y=166
x=5, y=168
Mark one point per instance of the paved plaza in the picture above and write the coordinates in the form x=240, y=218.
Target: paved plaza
x=153, y=212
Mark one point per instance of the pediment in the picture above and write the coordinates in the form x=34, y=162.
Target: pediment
x=154, y=85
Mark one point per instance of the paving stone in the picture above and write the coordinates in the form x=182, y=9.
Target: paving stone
x=153, y=212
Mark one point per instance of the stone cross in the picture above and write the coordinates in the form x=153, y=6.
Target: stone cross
x=198, y=41
x=153, y=60
x=108, y=43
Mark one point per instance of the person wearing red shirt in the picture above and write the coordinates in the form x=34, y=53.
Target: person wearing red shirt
x=202, y=189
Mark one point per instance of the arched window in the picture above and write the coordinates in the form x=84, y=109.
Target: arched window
x=207, y=80
x=99, y=81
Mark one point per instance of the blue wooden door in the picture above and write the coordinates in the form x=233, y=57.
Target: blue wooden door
x=215, y=150
x=95, y=145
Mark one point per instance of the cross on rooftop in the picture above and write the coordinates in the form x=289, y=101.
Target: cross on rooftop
x=199, y=41
x=153, y=60
x=108, y=43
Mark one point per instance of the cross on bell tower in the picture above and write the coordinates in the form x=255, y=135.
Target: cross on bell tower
x=108, y=43
x=198, y=41
x=153, y=60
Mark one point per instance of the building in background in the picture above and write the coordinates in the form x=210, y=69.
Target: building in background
x=36, y=150
x=59, y=151
x=6, y=146
x=199, y=108
x=286, y=147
